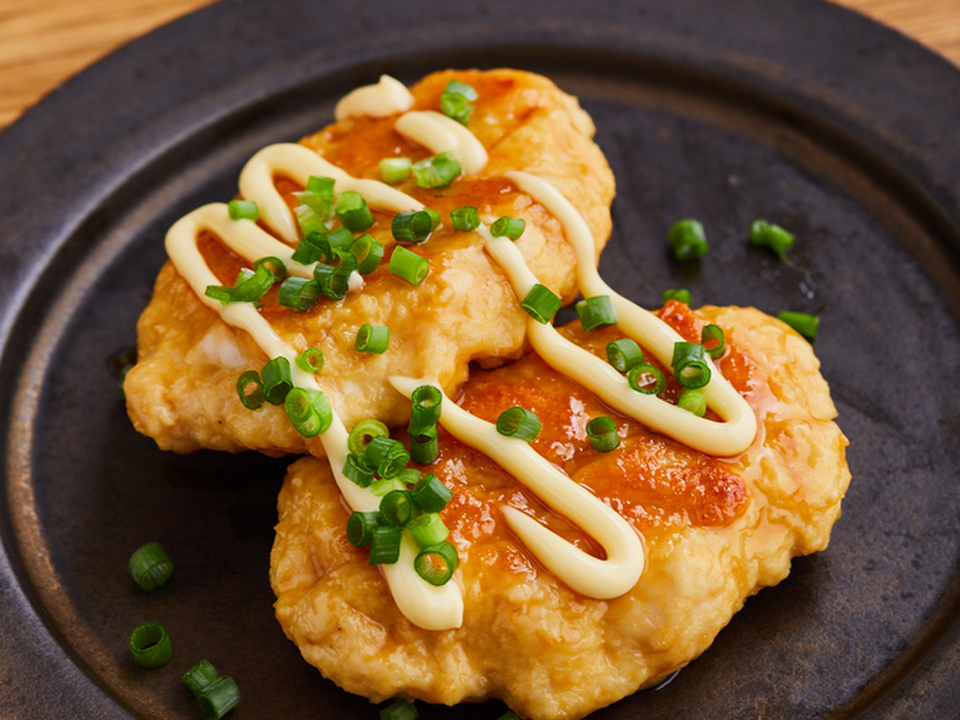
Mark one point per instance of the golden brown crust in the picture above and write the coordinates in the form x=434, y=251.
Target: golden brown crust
x=526, y=638
x=182, y=392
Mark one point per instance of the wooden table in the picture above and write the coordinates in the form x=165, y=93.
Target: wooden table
x=44, y=42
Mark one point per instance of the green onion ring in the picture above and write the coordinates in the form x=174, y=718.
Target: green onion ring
x=427, y=567
x=692, y=400
x=309, y=411
x=150, y=566
x=396, y=508
x=424, y=408
x=385, y=545
x=596, y=312
x=465, y=218
x=541, y=303
x=409, y=266
x=677, y=295
x=394, y=169
x=424, y=447
x=243, y=210
x=624, y=354
x=353, y=211
x=641, y=376
x=689, y=365
x=363, y=432
x=602, y=433
x=508, y=227
x=688, y=240
x=713, y=340
x=150, y=645
x=373, y=339
x=400, y=710
x=806, y=325
x=218, y=698
x=360, y=527
x=428, y=530
x=198, y=676
x=520, y=423
x=310, y=360
x=277, y=380
x=430, y=494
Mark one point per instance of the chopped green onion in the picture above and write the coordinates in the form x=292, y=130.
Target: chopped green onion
x=386, y=455
x=360, y=526
x=646, y=379
x=520, y=423
x=316, y=208
x=409, y=266
x=409, y=476
x=688, y=240
x=252, y=285
x=310, y=220
x=273, y=264
x=424, y=408
x=455, y=101
x=596, y=312
x=243, y=210
x=363, y=432
x=541, y=303
x=220, y=293
x=430, y=494
x=310, y=360
x=399, y=710
x=692, y=400
x=508, y=227
x=773, y=236
x=424, y=447
x=353, y=212
x=198, y=676
x=385, y=485
x=150, y=566
x=395, y=169
x=218, y=698
x=385, y=545
x=368, y=253
x=624, y=354
x=150, y=645
x=713, y=341
x=689, y=365
x=806, y=325
x=396, y=508
x=313, y=247
x=298, y=293
x=602, y=433
x=373, y=338
x=339, y=239
x=677, y=294
x=465, y=218
x=437, y=563
x=309, y=411
x=428, y=530
x=357, y=472
x=434, y=217
x=277, y=380
x=322, y=186
x=411, y=226
x=251, y=398
x=333, y=281
x=436, y=172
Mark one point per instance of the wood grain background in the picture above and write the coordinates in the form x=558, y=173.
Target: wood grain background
x=44, y=42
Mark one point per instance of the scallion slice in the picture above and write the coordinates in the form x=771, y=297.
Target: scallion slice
x=386, y=455
x=399, y=710
x=310, y=220
x=437, y=563
x=310, y=360
x=274, y=265
x=309, y=411
x=385, y=485
x=520, y=423
x=689, y=365
x=623, y=354
x=220, y=293
x=773, y=236
x=541, y=303
x=508, y=227
x=252, y=285
x=243, y=210
x=360, y=526
x=411, y=226
x=150, y=566
x=150, y=645
x=456, y=99
x=806, y=325
x=713, y=341
x=363, y=432
x=333, y=281
x=428, y=530
x=373, y=339
x=198, y=676
x=316, y=208
x=688, y=240
x=340, y=239
x=218, y=698
x=646, y=379
x=353, y=212
x=409, y=266
x=465, y=218
x=424, y=408
x=430, y=494
x=250, y=389
x=396, y=508
x=692, y=400
x=602, y=433
x=298, y=293
x=368, y=252
x=385, y=545
x=424, y=447
x=357, y=472
x=395, y=169
x=678, y=295
x=313, y=247
x=277, y=380
x=436, y=172
x=596, y=312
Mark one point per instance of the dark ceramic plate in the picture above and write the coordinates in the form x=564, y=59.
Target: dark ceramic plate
x=800, y=112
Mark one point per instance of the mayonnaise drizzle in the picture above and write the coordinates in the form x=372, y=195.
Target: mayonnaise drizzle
x=440, y=134
x=739, y=426
x=584, y=573
x=387, y=97
x=431, y=607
